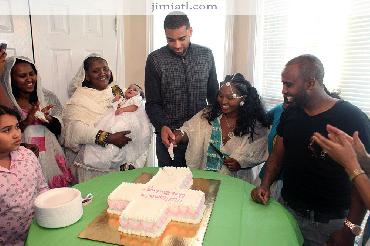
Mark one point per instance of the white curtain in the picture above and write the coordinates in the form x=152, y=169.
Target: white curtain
x=229, y=47
x=339, y=36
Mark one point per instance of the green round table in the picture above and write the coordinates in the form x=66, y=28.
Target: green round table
x=235, y=220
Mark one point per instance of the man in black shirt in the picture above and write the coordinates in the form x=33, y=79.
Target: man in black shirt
x=179, y=80
x=316, y=190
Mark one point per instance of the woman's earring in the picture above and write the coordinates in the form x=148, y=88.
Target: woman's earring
x=241, y=103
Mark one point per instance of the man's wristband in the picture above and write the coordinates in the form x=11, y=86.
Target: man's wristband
x=356, y=172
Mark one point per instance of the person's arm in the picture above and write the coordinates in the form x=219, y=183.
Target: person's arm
x=212, y=86
x=339, y=147
x=274, y=162
x=53, y=112
x=362, y=184
x=54, y=126
x=154, y=103
x=2, y=61
x=131, y=108
x=4, y=97
x=346, y=152
x=76, y=133
x=356, y=213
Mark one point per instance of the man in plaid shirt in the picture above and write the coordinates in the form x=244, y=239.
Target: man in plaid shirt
x=179, y=80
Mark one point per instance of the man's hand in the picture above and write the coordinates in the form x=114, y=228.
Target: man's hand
x=167, y=136
x=261, y=194
x=232, y=164
x=341, y=237
x=119, y=139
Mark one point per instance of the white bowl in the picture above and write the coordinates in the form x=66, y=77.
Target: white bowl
x=58, y=207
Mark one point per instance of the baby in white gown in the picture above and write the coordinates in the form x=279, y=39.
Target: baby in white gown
x=127, y=113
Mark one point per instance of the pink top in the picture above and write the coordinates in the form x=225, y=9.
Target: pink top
x=19, y=186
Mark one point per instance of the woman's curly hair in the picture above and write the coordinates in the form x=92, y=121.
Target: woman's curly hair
x=249, y=114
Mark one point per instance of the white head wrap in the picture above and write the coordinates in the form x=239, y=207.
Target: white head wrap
x=9, y=64
x=80, y=76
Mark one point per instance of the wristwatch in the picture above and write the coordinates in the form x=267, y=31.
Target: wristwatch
x=355, y=229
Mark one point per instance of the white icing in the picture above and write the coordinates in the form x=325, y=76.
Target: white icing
x=167, y=196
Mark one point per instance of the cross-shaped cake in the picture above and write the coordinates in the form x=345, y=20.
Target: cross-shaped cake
x=146, y=209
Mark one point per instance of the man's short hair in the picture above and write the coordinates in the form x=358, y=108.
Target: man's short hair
x=176, y=19
x=310, y=67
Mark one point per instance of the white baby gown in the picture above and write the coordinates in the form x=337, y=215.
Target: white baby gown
x=137, y=122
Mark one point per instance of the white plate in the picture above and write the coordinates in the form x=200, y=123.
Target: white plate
x=58, y=207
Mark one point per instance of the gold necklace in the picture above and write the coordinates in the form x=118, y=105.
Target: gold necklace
x=230, y=133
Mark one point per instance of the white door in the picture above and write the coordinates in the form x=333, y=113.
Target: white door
x=15, y=29
x=61, y=42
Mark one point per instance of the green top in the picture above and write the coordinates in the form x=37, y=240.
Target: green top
x=235, y=220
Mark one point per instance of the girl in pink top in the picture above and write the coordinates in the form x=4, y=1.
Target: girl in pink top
x=21, y=180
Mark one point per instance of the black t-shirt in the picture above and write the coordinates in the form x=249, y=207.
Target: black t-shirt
x=312, y=180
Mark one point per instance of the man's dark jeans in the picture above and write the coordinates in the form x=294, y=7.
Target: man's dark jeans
x=164, y=158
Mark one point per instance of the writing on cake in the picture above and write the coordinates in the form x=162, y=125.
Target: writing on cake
x=146, y=209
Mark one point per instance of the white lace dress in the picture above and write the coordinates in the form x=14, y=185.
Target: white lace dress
x=111, y=156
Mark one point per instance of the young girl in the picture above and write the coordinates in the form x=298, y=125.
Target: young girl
x=21, y=181
x=127, y=113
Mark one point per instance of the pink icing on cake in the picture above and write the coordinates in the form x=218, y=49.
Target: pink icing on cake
x=146, y=209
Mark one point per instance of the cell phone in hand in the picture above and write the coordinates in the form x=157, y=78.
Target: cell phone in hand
x=3, y=46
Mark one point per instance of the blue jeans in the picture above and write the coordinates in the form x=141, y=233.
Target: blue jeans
x=164, y=158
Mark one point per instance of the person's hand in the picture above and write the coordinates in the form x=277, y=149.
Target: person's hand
x=362, y=155
x=167, y=136
x=232, y=164
x=30, y=117
x=119, y=111
x=339, y=146
x=261, y=194
x=116, y=98
x=119, y=139
x=341, y=237
x=46, y=112
x=2, y=61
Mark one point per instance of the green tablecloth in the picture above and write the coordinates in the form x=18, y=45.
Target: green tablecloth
x=235, y=220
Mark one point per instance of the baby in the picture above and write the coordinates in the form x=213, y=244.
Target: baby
x=127, y=113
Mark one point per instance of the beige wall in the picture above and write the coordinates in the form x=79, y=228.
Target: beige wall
x=135, y=38
x=134, y=49
x=243, y=47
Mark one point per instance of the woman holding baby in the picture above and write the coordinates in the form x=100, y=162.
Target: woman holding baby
x=93, y=98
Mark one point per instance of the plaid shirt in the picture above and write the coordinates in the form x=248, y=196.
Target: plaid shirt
x=177, y=87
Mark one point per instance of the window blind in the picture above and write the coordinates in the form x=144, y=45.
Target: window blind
x=355, y=78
